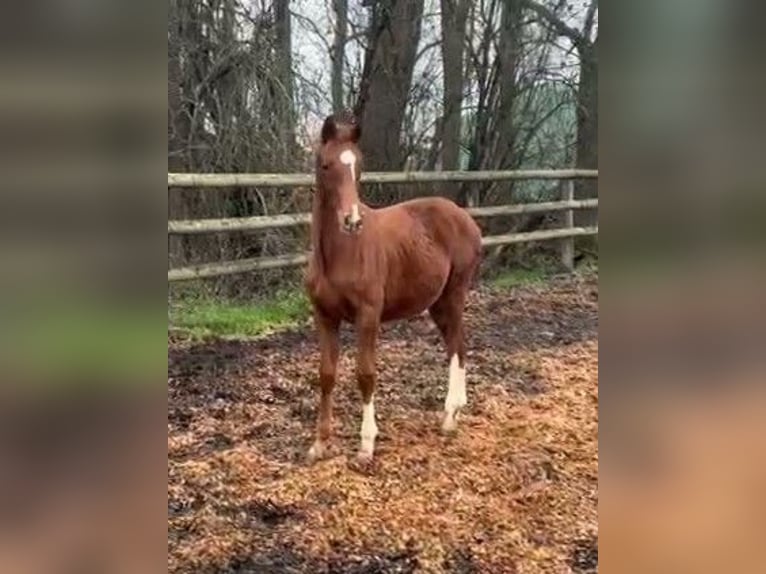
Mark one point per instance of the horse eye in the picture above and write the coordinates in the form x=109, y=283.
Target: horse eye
x=325, y=166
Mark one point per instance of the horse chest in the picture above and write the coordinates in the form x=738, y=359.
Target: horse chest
x=336, y=296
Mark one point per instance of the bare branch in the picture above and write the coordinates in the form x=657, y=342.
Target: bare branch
x=426, y=48
x=317, y=32
x=554, y=21
x=589, y=19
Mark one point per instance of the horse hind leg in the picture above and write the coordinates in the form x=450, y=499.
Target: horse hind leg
x=368, y=324
x=447, y=313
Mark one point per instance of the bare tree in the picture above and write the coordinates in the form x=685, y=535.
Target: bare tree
x=284, y=73
x=479, y=81
x=385, y=86
x=454, y=16
x=587, y=93
x=338, y=56
x=177, y=129
x=496, y=63
x=230, y=108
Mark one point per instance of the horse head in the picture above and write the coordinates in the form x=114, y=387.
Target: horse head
x=338, y=169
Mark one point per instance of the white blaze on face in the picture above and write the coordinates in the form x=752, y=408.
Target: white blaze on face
x=369, y=428
x=349, y=158
x=355, y=213
x=456, y=393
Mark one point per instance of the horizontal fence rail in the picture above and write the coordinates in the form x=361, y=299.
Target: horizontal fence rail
x=206, y=270
x=231, y=267
x=307, y=179
x=195, y=226
x=201, y=226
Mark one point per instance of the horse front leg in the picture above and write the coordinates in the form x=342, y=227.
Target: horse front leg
x=368, y=325
x=329, y=349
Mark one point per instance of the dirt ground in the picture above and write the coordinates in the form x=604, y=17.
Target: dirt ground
x=515, y=490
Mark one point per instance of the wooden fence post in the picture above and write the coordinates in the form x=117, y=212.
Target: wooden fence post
x=567, y=244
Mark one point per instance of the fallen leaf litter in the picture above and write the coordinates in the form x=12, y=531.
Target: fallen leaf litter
x=515, y=490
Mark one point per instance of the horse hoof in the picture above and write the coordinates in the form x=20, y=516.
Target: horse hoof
x=364, y=457
x=449, y=426
x=317, y=452
x=363, y=463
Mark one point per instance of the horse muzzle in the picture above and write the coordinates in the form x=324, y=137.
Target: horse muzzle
x=352, y=222
x=351, y=225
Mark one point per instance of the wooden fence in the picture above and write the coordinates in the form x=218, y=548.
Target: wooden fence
x=565, y=234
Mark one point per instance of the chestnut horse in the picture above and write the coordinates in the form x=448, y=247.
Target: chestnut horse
x=369, y=266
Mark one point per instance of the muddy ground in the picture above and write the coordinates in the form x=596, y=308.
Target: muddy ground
x=515, y=490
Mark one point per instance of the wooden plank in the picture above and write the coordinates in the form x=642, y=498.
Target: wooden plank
x=541, y=207
x=538, y=235
x=248, y=265
x=231, y=267
x=193, y=226
x=184, y=227
x=308, y=179
x=567, y=244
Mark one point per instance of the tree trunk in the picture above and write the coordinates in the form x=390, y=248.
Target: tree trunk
x=587, y=130
x=178, y=133
x=454, y=16
x=284, y=74
x=338, y=52
x=386, y=81
x=508, y=56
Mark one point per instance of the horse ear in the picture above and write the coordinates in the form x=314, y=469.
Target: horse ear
x=356, y=133
x=352, y=130
x=329, y=129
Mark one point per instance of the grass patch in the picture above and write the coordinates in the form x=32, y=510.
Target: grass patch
x=519, y=276
x=539, y=271
x=204, y=317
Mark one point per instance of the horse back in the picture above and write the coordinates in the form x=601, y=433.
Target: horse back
x=443, y=222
